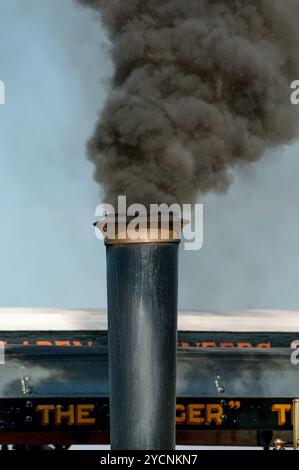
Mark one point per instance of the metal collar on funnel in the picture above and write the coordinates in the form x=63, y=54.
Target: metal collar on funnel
x=123, y=229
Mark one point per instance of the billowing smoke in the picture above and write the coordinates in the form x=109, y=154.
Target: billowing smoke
x=199, y=87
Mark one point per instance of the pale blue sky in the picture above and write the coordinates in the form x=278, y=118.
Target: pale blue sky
x=54, y=66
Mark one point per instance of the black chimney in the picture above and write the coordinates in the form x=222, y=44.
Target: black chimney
x=142, y=282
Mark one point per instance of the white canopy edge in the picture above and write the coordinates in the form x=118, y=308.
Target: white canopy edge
x=46, y=319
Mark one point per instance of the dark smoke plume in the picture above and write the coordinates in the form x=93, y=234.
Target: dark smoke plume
x=200, y=86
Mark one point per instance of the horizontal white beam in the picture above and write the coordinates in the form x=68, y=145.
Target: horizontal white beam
x=45, y=319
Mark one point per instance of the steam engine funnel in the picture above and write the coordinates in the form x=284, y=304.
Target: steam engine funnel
x=142, y=283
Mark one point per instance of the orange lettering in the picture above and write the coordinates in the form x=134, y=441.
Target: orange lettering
x=211, y=344
x=281, y=410
x=181, y=417
x=214, y=413
x=83, y=414
x=69, y=415
x=194, y=414
x=44, y=410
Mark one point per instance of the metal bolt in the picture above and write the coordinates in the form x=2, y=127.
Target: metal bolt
x=279, y=444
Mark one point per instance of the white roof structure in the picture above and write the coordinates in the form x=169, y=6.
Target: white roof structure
x=55, y=319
